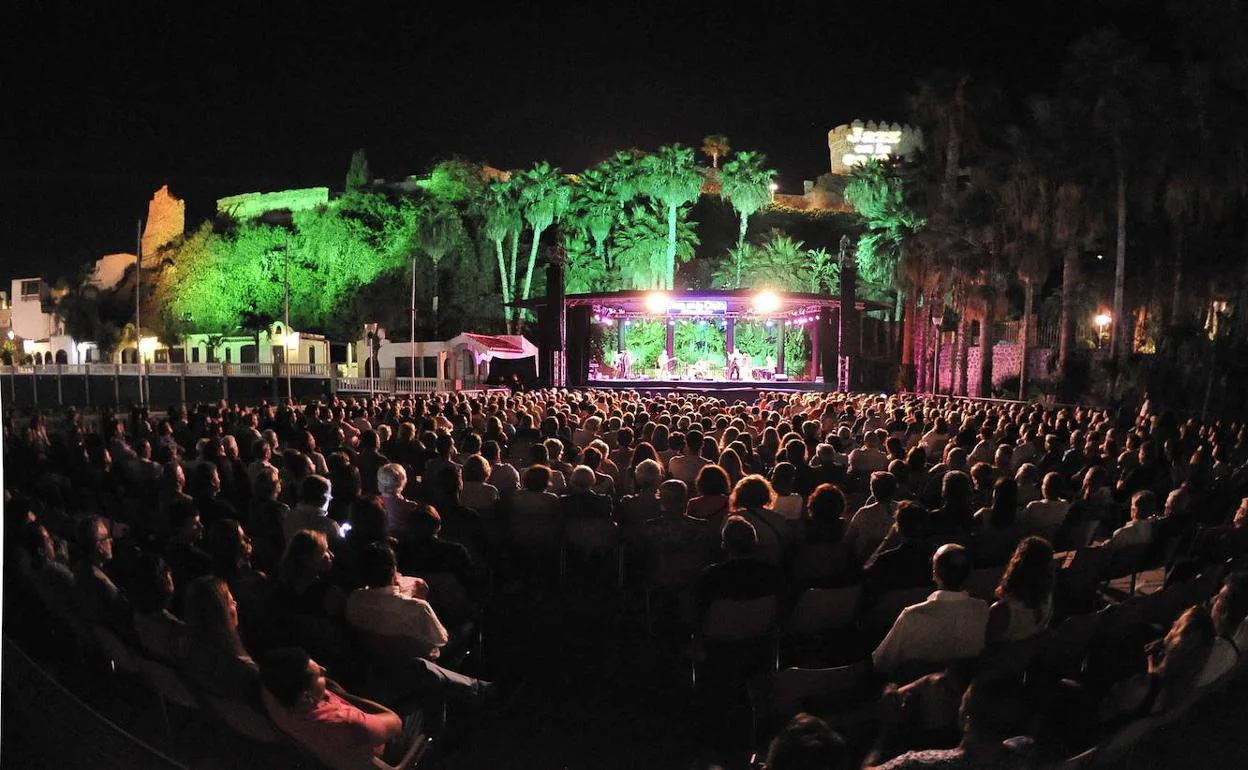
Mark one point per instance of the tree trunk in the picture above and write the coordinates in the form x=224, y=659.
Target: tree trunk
x=502, y=278
x=938, y=312
x=1066, y=326
x=1024, y=337
x=671, y=248
x=957, y=379
x=514, y=325
x=745, y=225
x=985, y=353
x=909, y=319
x=1176, y=299
x=1118, y=339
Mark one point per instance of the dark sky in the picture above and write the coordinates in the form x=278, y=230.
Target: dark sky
x=104, y=102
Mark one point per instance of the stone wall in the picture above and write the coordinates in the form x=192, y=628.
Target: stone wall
x=251, y=205
x=166, y=220
x=853, y=144
x=1005, y=364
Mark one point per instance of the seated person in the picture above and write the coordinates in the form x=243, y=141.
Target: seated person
x=1229, y=609
x=99, y=600
x=807, y=743
x=872, y=522
x=1043, y=517
x=671, y=529
x=742, y=575
x=711, y=503
x=1024, y=603
x=949, y=626
x=312, y=512
x=424, y=552
x=581, y=501
x=905, y=559
x=381, y=607
x=788, y=504
x=159, y=632
x=1139, y=529
x=213, y=656
x=343, y=731
x=988, y=717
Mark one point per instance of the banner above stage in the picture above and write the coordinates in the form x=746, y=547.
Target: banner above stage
x=697, y=307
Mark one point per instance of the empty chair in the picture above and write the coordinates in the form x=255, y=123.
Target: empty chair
x=736, y=632
x=593, y=537
x=823, y=610
x=815, y=563
x=820, y=691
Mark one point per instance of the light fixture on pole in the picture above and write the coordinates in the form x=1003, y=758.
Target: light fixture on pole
x=1102, y=320
x=412, y=345
x=290, y=393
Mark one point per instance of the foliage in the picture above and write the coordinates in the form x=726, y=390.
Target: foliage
x=700, y=340
x=670, y=178
x=745, y=182
x=644, y=340
x=455, y=181
x=641, y=243
x=357, y=173
x=877, y=192
x=715, y=147
x=544, y=197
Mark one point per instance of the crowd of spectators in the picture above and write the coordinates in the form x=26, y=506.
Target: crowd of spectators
x=258, y=550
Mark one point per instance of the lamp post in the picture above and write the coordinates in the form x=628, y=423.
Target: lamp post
x=290, y=392
x=1102, y=321
x=412, y=344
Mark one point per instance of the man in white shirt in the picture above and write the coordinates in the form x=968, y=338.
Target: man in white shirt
x=1139, y=529
x=312, y=512
x=1229, y=609
x=870, y=457
x=686, y=467
x=1044, y=516
x=386, y=609
x=871, y=524
x=949, y=626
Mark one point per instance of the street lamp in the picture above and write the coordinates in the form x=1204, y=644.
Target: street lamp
x=1102, y=321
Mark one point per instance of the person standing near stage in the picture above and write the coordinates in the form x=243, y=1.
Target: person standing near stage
x=734, y=364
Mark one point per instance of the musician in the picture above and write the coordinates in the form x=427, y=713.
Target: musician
x=734, y=364
x=622, y=364
x=664, y=361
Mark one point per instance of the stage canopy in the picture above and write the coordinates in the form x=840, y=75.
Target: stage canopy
x=709, y=303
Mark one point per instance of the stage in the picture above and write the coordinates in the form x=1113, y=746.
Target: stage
x=729, y=390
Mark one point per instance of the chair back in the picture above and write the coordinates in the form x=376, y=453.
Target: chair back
x=816, y=689
x=822, y=610
x=668, y=568
x=533, y=529
x=816, y=562
x=168, y=683
x=449, y=598
x=1065, y=648
x=591, y=535
x=1119, y=622
x=244, y=719
x=387, y=651
x=1122, y=561
x=730, y=620
x=117, y=651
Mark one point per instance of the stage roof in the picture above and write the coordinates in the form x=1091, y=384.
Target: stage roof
x=705, y=303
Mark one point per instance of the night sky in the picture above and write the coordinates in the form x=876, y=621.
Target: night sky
x=104, y=102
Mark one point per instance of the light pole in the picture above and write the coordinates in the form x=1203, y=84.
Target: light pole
x=290, y=393
x=412, y=344
x=138, y=280
x=1102, y=321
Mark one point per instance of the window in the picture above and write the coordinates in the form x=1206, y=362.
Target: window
x=311, y=354
x=227, y=356
x=30, y=289
x=195, y=354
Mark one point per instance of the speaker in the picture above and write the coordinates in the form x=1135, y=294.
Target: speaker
x=578, y=345
x=556, y=295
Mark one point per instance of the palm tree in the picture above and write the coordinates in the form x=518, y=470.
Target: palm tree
x=1074, y=226
x=544, y=199
x=501, y=216
x=435, y=232
x=745, y=182
x=641, y=244
x=731, y=270
x=715, y=147
x=671, y=179
x=594, y=207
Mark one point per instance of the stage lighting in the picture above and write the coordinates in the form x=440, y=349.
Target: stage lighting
x=657, y=303
x=766, y=302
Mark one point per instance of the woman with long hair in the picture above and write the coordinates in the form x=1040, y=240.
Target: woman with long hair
x=1024, y=603
x=753, y=498
x=711, y=502
x=730, y=461
x=213, y=656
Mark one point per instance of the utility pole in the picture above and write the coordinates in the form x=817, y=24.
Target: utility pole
x=290, y=393
x=138, y=282
x=412, y=349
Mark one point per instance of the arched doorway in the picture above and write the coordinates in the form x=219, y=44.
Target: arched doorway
x=62, y=357
x=38, y=359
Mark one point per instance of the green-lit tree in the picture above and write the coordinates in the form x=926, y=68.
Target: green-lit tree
x=544, y=198
x=745, y=182
x=436, y=235
x=671, y=179
x=594, y=209
x=641, y=242
x=357, y=172
x=715, y=147
x=500, y=213
x=732, y=270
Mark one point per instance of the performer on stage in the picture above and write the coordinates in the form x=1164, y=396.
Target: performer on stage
x=622, y=364
x=734, y=365
x=663, y=363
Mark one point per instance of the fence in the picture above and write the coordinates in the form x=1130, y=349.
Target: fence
x=163, y=383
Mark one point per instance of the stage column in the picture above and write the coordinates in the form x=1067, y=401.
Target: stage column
x=730, y=340
x=812, y=371
x=670, y=342
x=780, y=335
x=850, y=332
x=619, y=334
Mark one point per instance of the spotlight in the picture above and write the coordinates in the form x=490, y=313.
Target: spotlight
x=657, y=303
x=766, y=302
